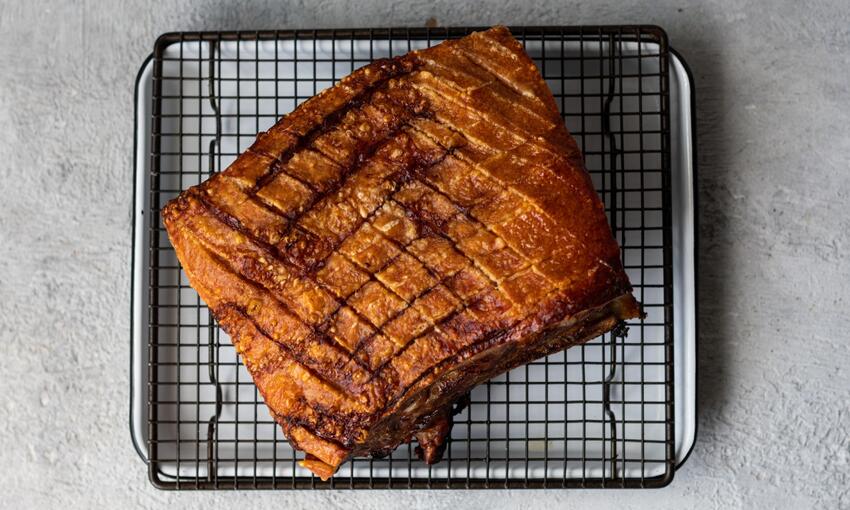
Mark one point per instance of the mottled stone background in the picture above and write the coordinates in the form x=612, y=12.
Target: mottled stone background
x=774, y=186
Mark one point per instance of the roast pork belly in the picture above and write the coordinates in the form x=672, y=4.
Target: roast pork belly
x=422, y=226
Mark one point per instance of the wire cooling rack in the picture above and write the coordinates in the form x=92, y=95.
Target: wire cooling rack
x=597, y=415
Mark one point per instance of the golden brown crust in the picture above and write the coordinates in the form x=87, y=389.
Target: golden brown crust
x=420, y=227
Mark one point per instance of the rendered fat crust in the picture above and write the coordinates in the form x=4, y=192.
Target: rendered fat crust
x=422, y=226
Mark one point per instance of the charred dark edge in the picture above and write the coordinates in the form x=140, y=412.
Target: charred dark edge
x=287, y=422
x=351, y=423
x=396, y=67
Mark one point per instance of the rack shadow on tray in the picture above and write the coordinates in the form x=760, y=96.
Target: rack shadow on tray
x=597, y=415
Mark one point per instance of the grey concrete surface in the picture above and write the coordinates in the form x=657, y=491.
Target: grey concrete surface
x=773, y=85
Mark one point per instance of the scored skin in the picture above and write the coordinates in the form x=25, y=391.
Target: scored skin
x=399, y=238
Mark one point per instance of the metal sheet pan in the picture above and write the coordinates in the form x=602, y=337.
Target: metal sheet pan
x=266, y=442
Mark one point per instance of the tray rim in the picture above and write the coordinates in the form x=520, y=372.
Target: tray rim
x=171, y=37
x=686, y=68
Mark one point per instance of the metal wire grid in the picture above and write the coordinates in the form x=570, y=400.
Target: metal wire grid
x=598, y=415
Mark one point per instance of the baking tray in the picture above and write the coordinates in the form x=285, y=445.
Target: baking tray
x=616, y=412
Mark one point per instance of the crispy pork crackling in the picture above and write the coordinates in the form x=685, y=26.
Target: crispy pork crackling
x=419, y=228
